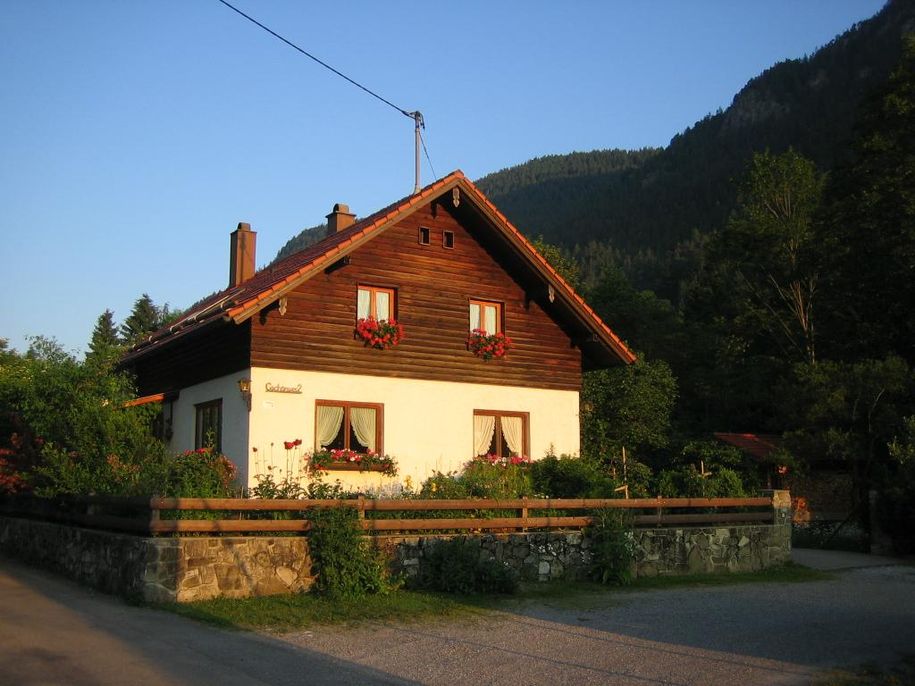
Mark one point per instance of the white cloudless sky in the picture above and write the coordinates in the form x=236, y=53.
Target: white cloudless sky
x=134, y=136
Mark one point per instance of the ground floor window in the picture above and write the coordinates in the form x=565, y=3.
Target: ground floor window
x=505, y=434
x=208, y=427
x=349, y=426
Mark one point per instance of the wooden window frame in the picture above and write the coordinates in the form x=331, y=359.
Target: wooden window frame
x=200, y=439
x=446, y=235
x=497, y=436
x=346, y=405
x=425, y=233
x=500, y=313
x=373, y=305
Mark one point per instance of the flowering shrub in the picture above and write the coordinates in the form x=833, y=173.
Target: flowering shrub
x=500, y=461
x=488, y=346
x=11, y=480
x=201, y=473
x=379, y=334
x=328, y=459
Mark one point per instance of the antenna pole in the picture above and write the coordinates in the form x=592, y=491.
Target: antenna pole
x=419, y=123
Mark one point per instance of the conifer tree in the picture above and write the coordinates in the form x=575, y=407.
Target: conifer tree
x=144, y=319
x=869, y=231
x=105, y=342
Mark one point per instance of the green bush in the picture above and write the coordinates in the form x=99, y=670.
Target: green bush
x=483, y=479
x=456, y=566
x=201, y=473
x=896, y=501
x=442, y=486
x=725, y=473
x=687, y=482
x=571, y=477
x=612, y=547
x=480, y=478
x=67, y=428
x=343, y=562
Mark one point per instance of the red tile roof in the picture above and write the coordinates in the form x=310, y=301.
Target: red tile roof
x=760, y=446
x=240, y=302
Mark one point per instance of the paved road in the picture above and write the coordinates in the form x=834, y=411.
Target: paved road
x=54, y=632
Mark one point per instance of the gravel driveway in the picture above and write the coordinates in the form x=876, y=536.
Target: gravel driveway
x=52, y=631
x=747, y=634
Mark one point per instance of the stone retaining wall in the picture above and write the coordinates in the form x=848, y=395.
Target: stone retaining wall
x=658, y=552
x=197, y=568
x=162, y=569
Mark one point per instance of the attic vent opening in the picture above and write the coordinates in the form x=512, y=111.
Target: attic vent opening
x=448, y=239
x=425, y=236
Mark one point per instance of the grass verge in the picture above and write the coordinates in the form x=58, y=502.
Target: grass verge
x=871, y=675
x=298, y=611
x=788, y=573
x=292, y=612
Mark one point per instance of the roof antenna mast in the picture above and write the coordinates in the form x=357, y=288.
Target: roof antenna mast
x=419, y=124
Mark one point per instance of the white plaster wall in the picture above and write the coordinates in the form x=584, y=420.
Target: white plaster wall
x=428, y=425
x=234, y=418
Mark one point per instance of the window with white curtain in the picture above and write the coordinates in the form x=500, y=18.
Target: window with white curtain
x=486, y=316
x=377, y=303
x=505, y=434
x=353, y=426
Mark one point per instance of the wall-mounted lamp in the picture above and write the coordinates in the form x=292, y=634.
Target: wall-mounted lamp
x=244, y=387
x=587, y=407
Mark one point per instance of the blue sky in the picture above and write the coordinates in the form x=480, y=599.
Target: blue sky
x=134, y=136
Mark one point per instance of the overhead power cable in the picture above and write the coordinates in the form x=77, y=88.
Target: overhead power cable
x=411, y=115
x=423, y=141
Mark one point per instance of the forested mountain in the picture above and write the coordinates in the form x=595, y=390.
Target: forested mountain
x=302, y=240
x=645, y=201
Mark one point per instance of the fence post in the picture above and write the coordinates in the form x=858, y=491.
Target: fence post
x=659, y=510
x=524, y=512
x=153, y=515
x=781, y=516
x=361, y=507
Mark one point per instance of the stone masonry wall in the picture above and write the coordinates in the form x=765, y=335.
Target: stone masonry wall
x=197, y=568
x=658, y=552
x=162, y=569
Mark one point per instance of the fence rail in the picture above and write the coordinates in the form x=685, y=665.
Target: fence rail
x=150, y=516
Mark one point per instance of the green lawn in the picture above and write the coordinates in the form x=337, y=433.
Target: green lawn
x=291, y=612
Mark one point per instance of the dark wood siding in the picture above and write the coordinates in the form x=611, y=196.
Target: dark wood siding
x=214, y=351
x=434, y=286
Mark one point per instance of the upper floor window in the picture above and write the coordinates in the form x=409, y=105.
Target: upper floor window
x=486, y=316
x=425, y=236
x=504, y=434
x=377, y=303
x=343, y=425
x=448, y=239
x=208, y=426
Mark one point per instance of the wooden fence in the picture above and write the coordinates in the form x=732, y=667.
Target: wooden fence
x=151, y=516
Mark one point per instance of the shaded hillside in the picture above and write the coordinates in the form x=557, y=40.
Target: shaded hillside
x=302, y=240
x=655, y=200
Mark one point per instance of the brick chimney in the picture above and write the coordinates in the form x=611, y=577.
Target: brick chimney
x=339, y=219
x=242, y=249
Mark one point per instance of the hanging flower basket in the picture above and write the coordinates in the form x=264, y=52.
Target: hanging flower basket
x=488, y=346
x=379, y=334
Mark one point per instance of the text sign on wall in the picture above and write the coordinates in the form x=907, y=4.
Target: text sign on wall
x=279, y=388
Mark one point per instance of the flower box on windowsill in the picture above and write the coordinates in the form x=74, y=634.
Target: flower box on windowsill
x=488, y=346
x=352, y=467
x=351, y=461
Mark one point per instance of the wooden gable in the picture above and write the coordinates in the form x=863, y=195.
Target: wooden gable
x=555, y=333
x=434, y=285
